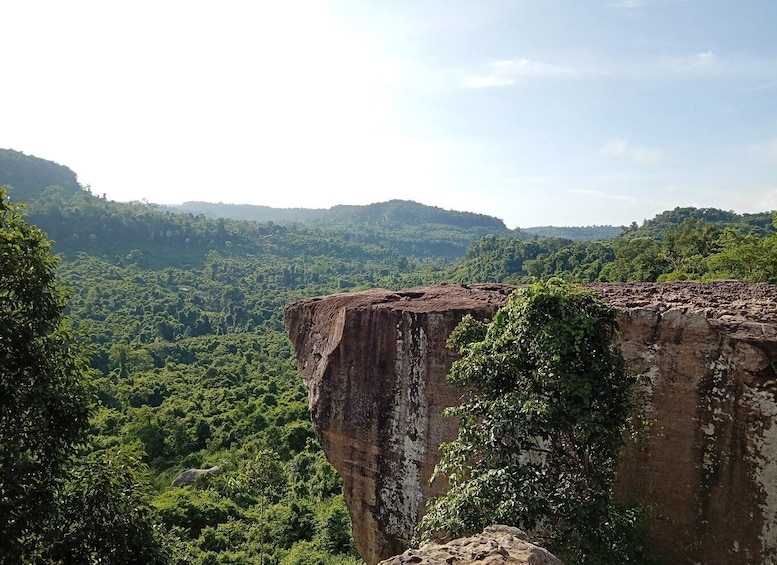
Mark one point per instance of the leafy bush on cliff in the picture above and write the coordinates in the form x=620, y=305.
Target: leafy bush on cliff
x=540, y=433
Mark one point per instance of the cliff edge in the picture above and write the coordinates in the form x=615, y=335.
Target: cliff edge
x=374, y=364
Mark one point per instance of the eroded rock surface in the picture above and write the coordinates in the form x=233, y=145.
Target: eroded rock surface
x=497, y=545
x=375, y=362
x=190, y=476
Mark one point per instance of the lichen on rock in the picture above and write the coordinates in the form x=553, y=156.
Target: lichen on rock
x=503, y=545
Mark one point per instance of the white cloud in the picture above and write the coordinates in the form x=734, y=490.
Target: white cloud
x=488, y=81
x=752, y=197
x=688, y=66
x=765, y=151
x=630, y=4
x=621, y=149
x=703, y=63
x=704, y=59
x=606, y=195
x=509, y=71
x=764, y=86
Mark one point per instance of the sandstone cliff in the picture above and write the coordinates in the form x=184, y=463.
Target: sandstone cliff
x=375, y=362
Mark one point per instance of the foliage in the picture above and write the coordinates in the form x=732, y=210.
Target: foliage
x=103, y=514
x=504, y=260
x=335, y=530
x=55, y=504
x=540, y=434
x=760, y=223
x=638, y=259
x=745, y=256
x=685, y=244
x=44, y=405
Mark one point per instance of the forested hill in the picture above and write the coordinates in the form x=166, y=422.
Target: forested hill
x=26, y=177
x=759, y=223
x=249, y=212
x=394, y=212
x=681, y=244
x=413, y=229
x=409, y=228
x=408, y=212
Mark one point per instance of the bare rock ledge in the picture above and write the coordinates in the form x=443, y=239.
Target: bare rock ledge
x=497, y=545
x=374, y=364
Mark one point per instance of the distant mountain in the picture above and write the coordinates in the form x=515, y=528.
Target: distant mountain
x=409, y=212
x=393, y=212
x=26, y=177
x=584, y=233
x=250, y=212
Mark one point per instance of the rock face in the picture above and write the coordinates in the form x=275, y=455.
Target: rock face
x=496, y=545
x=190, y=475
x=375, y=362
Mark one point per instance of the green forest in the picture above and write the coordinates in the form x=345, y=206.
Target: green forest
x=180, y=316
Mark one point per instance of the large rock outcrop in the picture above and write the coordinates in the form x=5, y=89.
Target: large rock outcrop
x=496, y=545
x=375, y=362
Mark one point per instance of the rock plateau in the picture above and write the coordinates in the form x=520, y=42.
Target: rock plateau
x=374, y=364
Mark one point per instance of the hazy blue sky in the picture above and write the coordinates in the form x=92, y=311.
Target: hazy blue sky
x=566, y=112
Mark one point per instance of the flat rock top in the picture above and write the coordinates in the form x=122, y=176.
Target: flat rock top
x=720, y=300
x=435, y=298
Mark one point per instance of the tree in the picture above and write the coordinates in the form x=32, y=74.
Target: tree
x=103, y=516
x=540, y=431
x=637, y=259
x=56, y=506
x=336, y=530
x=266, y=477
x=44, y=404
x=748, y=257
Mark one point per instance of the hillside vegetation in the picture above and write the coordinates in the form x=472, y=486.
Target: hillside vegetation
x=192, y=366
x=674, y=246
x=26, y=177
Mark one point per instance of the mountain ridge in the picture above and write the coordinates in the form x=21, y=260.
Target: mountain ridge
x=29, y=176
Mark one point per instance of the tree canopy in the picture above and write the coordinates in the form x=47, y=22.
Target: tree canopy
x=44, y=405
x=54, y=505
x=540, y=432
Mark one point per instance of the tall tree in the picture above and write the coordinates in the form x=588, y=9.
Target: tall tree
x=55, y=506
x=44, y=405
x=540, y=432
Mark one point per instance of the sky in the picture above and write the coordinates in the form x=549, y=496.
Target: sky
x=538, y=112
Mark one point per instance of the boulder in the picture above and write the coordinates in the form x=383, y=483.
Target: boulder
x=190, y=475
x=496, y=545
